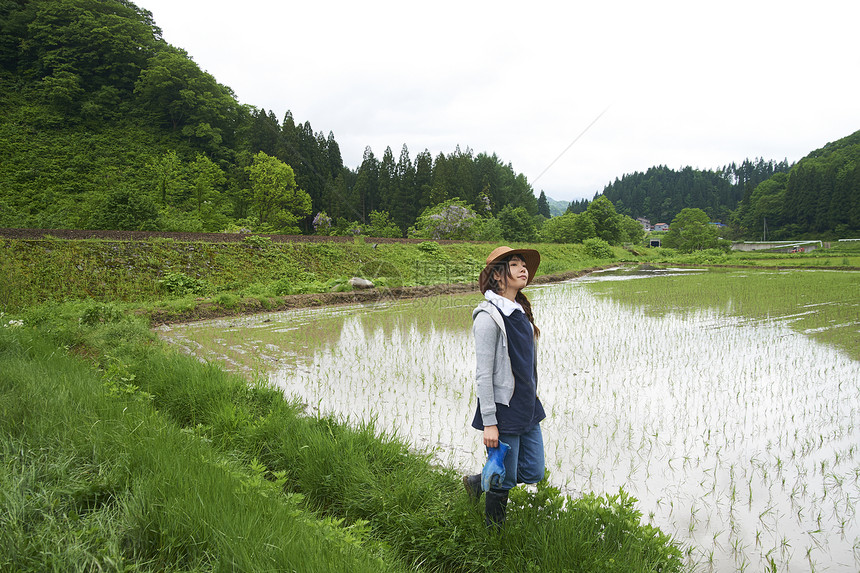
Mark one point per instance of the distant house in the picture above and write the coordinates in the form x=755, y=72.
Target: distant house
x=646, y=224
x=661, y=226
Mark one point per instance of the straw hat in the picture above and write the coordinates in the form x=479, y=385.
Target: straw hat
x=530, y=256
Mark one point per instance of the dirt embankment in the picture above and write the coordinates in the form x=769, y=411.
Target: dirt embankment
x=80, y=234
x=206, y=310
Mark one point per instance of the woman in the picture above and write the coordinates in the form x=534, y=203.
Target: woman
x=506, y=375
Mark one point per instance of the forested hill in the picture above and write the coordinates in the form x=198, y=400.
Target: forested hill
x=819, y=196
x=661, y=193
x=104, y=125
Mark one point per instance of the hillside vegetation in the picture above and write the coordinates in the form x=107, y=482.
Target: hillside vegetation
x=818, y=197
x=176, y=279
x=171, y=272
x=106, y=126
x=661, y=193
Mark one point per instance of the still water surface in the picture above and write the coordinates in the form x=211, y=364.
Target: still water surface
x=740, y=439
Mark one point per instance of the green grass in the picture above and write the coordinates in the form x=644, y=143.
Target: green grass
x=95, y=479
x=839, y=255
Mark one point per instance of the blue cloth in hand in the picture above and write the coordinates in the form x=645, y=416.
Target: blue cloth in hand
x=493, y=473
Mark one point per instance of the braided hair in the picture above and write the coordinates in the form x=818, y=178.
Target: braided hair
x=488, y=281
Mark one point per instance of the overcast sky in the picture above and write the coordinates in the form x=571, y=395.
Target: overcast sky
x=677, y=83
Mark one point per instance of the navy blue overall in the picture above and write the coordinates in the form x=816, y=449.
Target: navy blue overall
x=519, y=422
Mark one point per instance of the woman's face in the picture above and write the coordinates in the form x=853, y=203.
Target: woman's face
x=518, y=275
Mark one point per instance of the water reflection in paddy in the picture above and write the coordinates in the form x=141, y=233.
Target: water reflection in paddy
x=738, y=437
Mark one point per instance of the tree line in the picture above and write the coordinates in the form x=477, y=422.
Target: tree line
x=820, y=196
x=661, y=193
x=756, y=199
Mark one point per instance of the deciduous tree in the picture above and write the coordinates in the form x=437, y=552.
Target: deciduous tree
x=453, y=219
x=179, y=94
x=568, y=228
x=517, y=224
x=275, y=193
x=691, y=231
x=205, y=179
x=607, y=223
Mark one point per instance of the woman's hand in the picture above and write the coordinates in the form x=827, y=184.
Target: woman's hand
x=491, y=436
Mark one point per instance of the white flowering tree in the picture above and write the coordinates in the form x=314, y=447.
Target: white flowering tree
x=322, y=223
x=452, y=219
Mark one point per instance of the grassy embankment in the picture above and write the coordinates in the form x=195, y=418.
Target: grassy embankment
x=121, y=454
x=840, y=256
x=171, y=280
x=176, y=280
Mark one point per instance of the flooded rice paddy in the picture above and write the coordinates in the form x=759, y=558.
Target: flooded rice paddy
x=739, y=435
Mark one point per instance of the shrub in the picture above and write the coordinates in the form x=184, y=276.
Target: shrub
x=598, y=248
x=569, y=228
x=431, y=248
x=488, y=230
x=181, y=284
x=322, y=223
x=258, y=241
x=227, y=300
x=283, y=286
x=453, y=219
x=381, y=225
x=101, y=313
x=517, y=224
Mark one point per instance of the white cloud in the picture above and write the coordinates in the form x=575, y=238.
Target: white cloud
x=686, y=83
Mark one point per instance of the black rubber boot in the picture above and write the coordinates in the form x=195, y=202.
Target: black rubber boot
x=496, y=505
x=473, y=486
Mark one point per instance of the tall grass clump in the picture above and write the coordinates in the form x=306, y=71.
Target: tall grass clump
x=90, y=480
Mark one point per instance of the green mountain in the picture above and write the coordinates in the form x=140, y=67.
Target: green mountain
x=661, y=193
x=557, y=208
x=104, y=125
x=819, y=196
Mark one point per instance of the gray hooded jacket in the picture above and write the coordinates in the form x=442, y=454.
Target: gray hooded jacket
x=494, y=376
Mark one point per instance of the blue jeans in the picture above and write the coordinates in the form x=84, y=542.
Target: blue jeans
x=525, y=460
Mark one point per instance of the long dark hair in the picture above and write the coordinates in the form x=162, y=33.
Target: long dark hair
x=488, y=281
